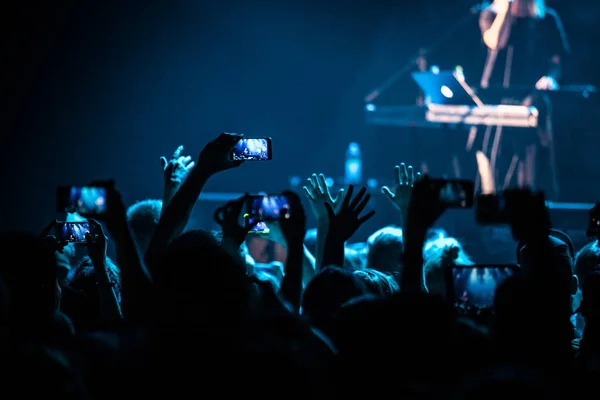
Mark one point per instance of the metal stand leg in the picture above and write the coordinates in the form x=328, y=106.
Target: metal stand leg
x=495, y=150
x=511, y=172
x=530, y=166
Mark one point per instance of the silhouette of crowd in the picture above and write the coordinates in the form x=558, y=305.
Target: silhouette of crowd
x=188, y=313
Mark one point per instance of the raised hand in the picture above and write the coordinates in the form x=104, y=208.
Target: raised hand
x=50, y=240
x=177, y=168
x=425, y=207
x=293, y=228
x=404, y=180
x=216, y=155
x=317, y=193
x=227, y=216
x=347, y=220
x=96, y=243
x=501, y=6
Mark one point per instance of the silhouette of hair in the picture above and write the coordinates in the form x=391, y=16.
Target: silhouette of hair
x=353, y=259
x=29, y=275
x=202, y=279
x=385, y=249
x=327, y=292
x=586, y=260
x=143, y=217
x=378, y=283
x=438, y=254
x=590, y=289
x=414, y=327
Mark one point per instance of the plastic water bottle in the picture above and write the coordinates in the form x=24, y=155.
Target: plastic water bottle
x=353, y=168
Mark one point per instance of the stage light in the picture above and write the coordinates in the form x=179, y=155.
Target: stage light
x=295, y=181
x=353, y=167
x=370, y=107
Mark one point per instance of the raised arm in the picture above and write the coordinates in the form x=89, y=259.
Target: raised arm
x=399, y=194
x=96, y=245
x=175, y=172
x=424, y=209
x=343, y=225
x=494, y=23
x=317, y=192
x=137, y=288
x=214, y=158
x=293, y=229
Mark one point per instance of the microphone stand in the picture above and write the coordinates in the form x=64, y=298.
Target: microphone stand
x=422, y=53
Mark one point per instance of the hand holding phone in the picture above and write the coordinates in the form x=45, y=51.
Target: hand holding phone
x=262, y=209
x=472, y=289
x=248, y=149
x=454, y=193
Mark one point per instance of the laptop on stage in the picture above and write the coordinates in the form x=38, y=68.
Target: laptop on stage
x=446, y=88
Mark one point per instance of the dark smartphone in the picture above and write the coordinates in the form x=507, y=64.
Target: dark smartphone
x=264, y=208
x=257, y=149
x=472, y=289
x=85, y=200
x=455, y=193
x=71, y=232
x=491, y=210
x=594, y=221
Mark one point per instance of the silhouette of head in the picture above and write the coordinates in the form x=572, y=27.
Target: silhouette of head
x=143, y=217
x=438, y=254
x=327, y=292
x=385, y=250
x=378, y=283
x=29, y=275
x=199, y=280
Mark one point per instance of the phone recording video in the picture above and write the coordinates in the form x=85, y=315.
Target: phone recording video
x=262, y=209
x=85, y=200
x=455, y=193
x=252, y=150
x=491, y=210
x=472, y=289
x=71, y=232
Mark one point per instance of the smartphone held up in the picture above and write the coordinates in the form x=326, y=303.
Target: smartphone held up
x=472, y=289
x=261, y=209
x=71, y=232
x=454, y=193
x=84, y=200
x=252, y=149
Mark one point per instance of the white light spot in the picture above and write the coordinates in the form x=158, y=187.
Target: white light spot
x=446, y=92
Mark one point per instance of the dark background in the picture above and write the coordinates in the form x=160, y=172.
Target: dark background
x=98, y=90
